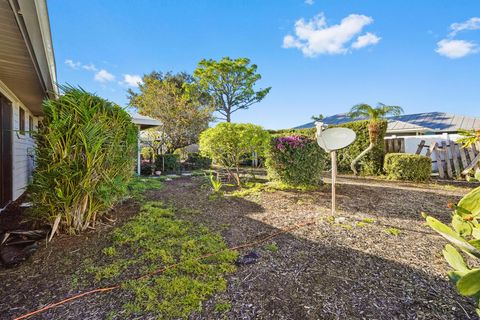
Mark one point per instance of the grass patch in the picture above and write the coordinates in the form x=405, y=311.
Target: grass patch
x=392, y=231
x=153, y=240
x=272, y=247
x=368, y=220
x=138, y=186
x=222, y=307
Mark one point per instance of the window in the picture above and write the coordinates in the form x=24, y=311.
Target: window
x=30, y=126
x=21, y=121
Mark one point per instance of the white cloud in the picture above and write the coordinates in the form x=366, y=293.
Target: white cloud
x=72, y=64
x=455, y=49
x=470, y=24
x=131, y=80
x=104, y=76
x=367, y=39
x=309, y=2
x=315, y=37
x=89, y=67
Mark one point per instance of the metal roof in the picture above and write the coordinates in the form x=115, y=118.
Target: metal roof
x=419, y=122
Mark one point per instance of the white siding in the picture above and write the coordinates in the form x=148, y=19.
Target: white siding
x=23, y=145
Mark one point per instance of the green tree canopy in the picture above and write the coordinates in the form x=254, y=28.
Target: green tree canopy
x=164, y=97
x=230, y=84
x=229, y=143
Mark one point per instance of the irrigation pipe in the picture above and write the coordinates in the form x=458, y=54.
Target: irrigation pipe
x=159, y=271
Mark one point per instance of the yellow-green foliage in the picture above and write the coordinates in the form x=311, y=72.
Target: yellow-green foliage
x=156, y=239
x=404, y=166
x=464, y=235
x=138, y=186
x=85, y=155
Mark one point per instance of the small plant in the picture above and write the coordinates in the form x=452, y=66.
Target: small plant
x=272, y=247
x=392, y=231
x=222, y=307
x=368, y=220
x=215, y=182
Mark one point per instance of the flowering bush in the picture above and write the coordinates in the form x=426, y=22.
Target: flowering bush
x=295, y=160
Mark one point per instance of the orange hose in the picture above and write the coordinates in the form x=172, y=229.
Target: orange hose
x=158, y=271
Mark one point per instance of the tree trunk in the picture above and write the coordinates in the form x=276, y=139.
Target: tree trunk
x=228, y=117
x=353, y=165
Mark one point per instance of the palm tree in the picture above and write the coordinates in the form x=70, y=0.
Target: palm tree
x=374, y=114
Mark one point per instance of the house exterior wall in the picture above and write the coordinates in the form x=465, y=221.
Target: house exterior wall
x=22, y=144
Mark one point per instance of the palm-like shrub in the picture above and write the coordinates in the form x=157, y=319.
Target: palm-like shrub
x=85, y=157
x=374, y=115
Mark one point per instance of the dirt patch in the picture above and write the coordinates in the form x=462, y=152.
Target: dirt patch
x=346, y=270
x=352, y=268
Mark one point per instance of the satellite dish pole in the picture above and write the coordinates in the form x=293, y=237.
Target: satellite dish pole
x=331, y=140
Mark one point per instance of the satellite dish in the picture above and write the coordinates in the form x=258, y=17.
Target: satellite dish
x=331, y=140
x=335, y=138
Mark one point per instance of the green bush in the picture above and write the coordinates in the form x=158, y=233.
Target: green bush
x=167, y=163
x=196, y=161
x=371, y=164
x=404, y=166
x=85, y=154
x=295, y=160
x=228, y=144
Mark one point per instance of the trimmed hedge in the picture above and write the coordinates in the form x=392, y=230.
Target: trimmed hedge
x=371, y=164
x=404, y=166
x=295, y=160
x=170, y=161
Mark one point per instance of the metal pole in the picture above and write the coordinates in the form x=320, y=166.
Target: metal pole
x=333, y=155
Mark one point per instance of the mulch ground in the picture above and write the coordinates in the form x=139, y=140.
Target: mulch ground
x=326, y=271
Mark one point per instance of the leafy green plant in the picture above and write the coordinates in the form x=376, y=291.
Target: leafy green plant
x=295, y=160
x=463, y=235
x=404, y=166
x=215, y=182
x=469, y=137
x=156, y=239
x=85, y=157
x=272, y=247
x=228, y=144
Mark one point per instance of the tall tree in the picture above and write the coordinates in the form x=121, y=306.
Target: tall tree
x=374, y=115
x=230, y=84
x=164, y=97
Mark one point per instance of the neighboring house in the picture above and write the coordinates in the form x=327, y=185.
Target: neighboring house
x=431, y=123
x=27, y=76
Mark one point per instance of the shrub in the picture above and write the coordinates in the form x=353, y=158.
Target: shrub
x=197, y=161
x=465, y=236
x=404, y=166
x=371, y=164
x=167, y=163
x=229, y=143
x=295, y=160
x=85, y=155
x=146, y=169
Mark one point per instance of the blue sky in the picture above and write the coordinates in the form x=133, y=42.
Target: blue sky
x=319, y=56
